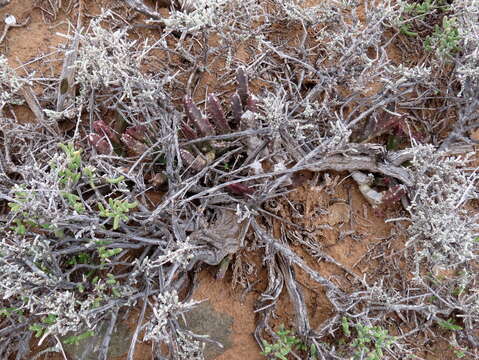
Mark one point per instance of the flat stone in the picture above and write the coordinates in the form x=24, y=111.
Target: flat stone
x=205, y=320
x=202, y=320
x=87, y=349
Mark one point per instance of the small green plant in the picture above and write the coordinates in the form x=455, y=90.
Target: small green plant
x=20, y=228
x=445, y=39
x=68, y=175
x=419, y=11
x=370, y=341
x=116, y=180
x=21, y=196
x=459, y=290
x=74, y=201
x=426, y=7
x=112, y=282
x=75, y=339
x=459, y=353
x=89, y=172
x=346, y=327
x=7, y=312
x=24, y=219
x=72, y=173
x=81, y=258
x=117, y=210
x=37, y=328
x=406, y=29
x=41, y=328
x=449, y=325
x=416, y=9
x=284, y=345
x=105, y=254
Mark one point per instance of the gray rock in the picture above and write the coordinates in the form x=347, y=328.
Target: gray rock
x=202, y=320
x=205, y=320
x=87, y=349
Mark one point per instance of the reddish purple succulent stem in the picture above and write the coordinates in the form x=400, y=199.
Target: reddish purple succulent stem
x=236, y=108
x=102, y=128
x=100, y=143
x=243, y=90
x=195, y=163
x=216, y=113
x=239, y=189
x=138, y=132
x=197, y=118
x=133, y=145
x=188, y=132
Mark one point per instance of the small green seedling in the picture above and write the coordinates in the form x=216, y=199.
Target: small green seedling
x=41, y=328
x=7, y=312
x=459, y=290
x=424, y=8
x=406, y=29
x=117, y=211
x=419, y=11
x=22, y=198
x=74, y=201
x=370, y=341
x=38, y=329
x=449, y=325
x=75, y=339
x=345, y=325
x=81, y=258
x=20, y=229
x=105, y=254
x=72, y=173
x=111, y=281
x=445, y=39
x=459, y=353
x=284, y=345
x=117, y=180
